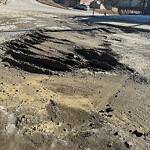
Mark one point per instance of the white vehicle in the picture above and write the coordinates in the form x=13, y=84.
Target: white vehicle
x=82, y=7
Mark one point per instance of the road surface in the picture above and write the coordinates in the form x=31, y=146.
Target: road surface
x=33, y=5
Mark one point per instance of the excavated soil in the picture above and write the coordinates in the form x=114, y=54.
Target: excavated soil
x=33, y=52
x=26, y=53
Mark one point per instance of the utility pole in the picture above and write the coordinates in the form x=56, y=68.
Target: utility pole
x=143, y=7
x=94, y=2
x=147, y=10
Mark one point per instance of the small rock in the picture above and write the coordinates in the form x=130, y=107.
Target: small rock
x=128, y=144
x=34, y=128
x=80, y=146
x=116, y=133
x=147, y=135
x=91, y=124
x=138, y=134
x=109, y=115
x=130, y=131
x=53, y=103
x=86, y=134
x=109, y=144
x=101, y=111
x=109, y=109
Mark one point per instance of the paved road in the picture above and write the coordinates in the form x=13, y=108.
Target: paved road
x=33, y=5
x=19, y=16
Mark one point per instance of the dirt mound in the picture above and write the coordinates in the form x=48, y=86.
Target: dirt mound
x=33, y=53
x=40, y=52
x=99, y=59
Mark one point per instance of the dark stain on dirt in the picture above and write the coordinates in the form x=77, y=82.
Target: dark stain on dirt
x=19, y=54
x=73, y=117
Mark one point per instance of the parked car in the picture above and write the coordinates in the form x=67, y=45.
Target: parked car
x=82, y=7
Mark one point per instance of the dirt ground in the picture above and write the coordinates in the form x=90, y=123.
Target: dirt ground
x=73, y=85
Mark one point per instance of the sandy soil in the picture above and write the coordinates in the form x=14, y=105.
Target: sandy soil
x=66, y=84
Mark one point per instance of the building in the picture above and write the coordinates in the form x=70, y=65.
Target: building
x=130, y=3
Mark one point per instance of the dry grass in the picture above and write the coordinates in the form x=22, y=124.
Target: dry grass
x=50, y=3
